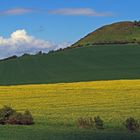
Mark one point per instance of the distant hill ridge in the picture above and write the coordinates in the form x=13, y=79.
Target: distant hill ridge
x=116, y=33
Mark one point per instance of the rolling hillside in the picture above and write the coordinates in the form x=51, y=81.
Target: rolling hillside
x=101, y=62
x=119, y=33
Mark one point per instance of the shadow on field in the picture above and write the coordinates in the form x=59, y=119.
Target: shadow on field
x=47, y=133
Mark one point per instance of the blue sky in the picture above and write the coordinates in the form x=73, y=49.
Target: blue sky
x=63, y=20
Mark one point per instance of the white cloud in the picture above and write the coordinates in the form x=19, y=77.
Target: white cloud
x=16, y=11
x=20, y=42
x=79, y=12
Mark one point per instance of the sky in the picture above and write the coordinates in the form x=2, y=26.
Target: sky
x=27, y=26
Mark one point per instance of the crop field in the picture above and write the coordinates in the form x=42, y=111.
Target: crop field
x=95, y=63
x=56, y=107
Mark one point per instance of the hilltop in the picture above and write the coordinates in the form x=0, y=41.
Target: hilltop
x=116, y=33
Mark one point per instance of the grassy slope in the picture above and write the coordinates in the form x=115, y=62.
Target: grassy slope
x=122, y=31
x=56, y=108
x=78, y=64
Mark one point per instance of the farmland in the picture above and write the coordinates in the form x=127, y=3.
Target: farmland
x=56, y=108
x=94, y=63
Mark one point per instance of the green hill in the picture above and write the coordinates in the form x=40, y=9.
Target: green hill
x=117, y=33
x=101, y=62
x=110, y=61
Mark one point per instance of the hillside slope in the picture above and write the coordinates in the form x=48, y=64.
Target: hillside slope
x=103, y=62
x=121, y=32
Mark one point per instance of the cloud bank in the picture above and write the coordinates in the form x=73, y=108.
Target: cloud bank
x=20, y=42
x=79, y=12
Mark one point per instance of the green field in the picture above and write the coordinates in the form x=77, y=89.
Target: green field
x=56, y=108
x=101, y=62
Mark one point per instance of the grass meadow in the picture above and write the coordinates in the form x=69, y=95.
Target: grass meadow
x=56, y=108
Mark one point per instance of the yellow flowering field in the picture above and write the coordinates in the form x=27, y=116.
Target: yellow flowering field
x=62, y=104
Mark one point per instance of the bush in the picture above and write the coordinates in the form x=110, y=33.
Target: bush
x=5, y=113
x=51, y=51
x=16, y=118
x=85, y=123
x=90, y=123
x=39, y=53
x=21, y=119
x=99, y=124
x=137, y=23
x=27, y=118
x=131, y=124
x=10, y=116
